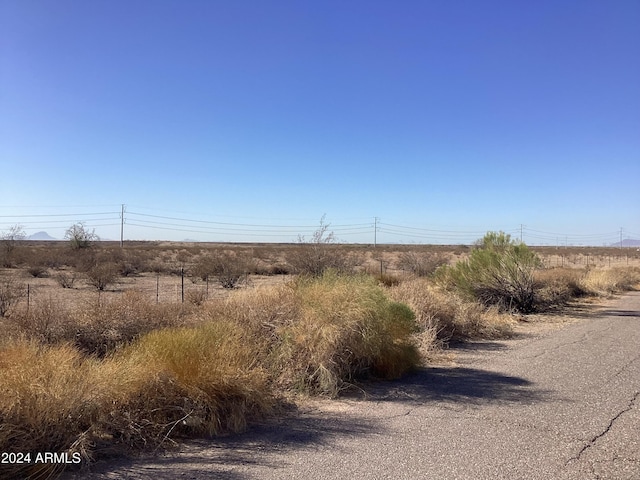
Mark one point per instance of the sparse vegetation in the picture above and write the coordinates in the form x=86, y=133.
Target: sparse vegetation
x=227, y=268
x=319, y=253
x=11, y=291
x=9, y=241
x=124, y=369
x=66, y=279
x=102, y=275
x=80, y=237
x=421, y=264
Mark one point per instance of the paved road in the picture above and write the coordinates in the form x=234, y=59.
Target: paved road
x=559, y=405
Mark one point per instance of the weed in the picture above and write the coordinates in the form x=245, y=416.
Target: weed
x=102, y=275
x=319, y=253
x=65, y=279
x=11, y=291
x=347, y=328
x=444, y=315
x=421, y=263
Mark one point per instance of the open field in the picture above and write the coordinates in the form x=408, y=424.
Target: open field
x=110, y=350
x=155, y=268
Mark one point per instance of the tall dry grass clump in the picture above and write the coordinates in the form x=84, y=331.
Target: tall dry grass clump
x=554, y=287
x=170, y=382
x=206, y=379
x=444, y=315
x=347, y=327
x=231, y=366
x=52, y=399
x=557, y=286
x=96, y=327
x=604, y=282
x=320, y=333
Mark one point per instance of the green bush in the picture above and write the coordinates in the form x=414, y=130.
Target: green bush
x=500, y=271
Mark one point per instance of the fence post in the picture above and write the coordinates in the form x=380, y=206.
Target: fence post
x=182, y=281
x=28, y=297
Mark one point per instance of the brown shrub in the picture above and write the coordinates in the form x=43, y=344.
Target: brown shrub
x=421, y=263
x=11, y=291
x=444, y=315
x=95, y=328
x=102, y=275
x=65, y=279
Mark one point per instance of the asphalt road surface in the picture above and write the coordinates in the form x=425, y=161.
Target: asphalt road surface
x=554, y=403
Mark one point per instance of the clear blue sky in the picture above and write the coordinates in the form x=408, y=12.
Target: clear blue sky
x=442, y=118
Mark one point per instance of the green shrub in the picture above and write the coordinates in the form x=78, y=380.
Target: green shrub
x=500, y=271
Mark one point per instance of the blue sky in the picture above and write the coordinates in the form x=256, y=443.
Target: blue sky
x=249, y=120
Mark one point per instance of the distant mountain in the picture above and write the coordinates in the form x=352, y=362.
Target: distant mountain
x=627, y=242
x=40, y=236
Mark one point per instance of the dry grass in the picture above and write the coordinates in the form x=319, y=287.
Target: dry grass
x=207, y=378
x=605, y=282
x=96, y=327
x=95, y=374
x=347, y=328
x=557, y=286
x=324, y=332
x=51, y=399
x=201, y=380
x=230, y=367
x=443, y=315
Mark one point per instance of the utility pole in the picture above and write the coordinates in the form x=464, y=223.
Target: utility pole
x=375, y=231
x=620, y=238
x=521, y=233
x=122, y=227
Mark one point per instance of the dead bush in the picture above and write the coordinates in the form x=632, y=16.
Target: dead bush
x=196, y=296
x=65, y=279
x=445, y=315
x=11, y=291
x=227, y=267
x=102, y=275
x=421, y=263
x=320, y=253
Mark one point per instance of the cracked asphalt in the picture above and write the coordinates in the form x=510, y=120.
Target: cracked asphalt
x=553, y=403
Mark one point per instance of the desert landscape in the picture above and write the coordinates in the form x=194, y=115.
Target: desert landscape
x=117, y=349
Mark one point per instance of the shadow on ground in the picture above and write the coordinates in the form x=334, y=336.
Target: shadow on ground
x=221, y=458
x=218, y=457
x=621, y=313
x=469, y=386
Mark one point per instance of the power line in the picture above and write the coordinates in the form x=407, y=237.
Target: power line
x=125, y=217
x=58, y=215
